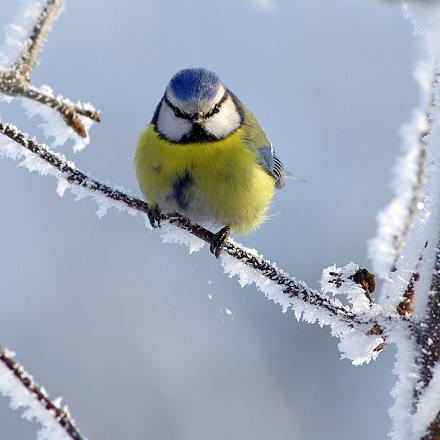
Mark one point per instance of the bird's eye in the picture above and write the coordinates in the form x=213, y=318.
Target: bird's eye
x=218, y=106
x=178, y=113
x=214, y=111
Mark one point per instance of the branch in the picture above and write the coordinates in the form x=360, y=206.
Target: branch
x=396, y=221
x=427, y=335
x=288, y=287
x=15, y=81
x=414, y=286
x=52, y=417
x=415, y=193
x=29, y=58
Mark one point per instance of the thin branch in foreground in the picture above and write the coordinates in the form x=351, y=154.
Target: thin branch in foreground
x=396, y=221
x=60, y=416
x=29, y=58
x=15, y=81
x=290, y=288
x=416, y=198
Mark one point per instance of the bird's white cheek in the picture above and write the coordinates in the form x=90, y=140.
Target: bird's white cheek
x=170, y=126
x=224, y=122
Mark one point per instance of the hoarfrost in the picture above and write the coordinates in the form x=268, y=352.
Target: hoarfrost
x=412, y=217
x=17, y=34
x=395, y=221
x=420, y=247
x=33, y=410
x=337, y=280
x=172, y=234
x=16, y=42
x=428, y=405
x=406, y=370
x=53, y=126
x=33, y=163
x=354, y=345
x=359, y=348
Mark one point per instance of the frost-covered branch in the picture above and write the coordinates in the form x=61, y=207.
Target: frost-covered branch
x=413, y=286
x=428, y=358
x=397, y=219
x=277, y=284
x=29, y=56
x=19, y=56
x=405, y=253
x=25, y=393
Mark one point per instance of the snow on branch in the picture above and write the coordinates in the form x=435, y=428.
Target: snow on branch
x=413, y=286
x=427, y=389
x=24, y=392
x=405, y=252
x=247, y=264
x=19, y=56
x=396, y=220
x=40, y=17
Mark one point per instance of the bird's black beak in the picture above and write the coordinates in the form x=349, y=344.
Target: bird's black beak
x=197, y=118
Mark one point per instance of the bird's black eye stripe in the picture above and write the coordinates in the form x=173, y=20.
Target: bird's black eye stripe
x=180, y=114
x=218, y=106
x=177, y=112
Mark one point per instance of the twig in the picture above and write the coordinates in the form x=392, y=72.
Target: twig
x=396, y=221
x=290, y=287
x=416, y=194
x=433, y=430
x=37, y=38
x=62, y=417
x=427, y=335
x=418, y=184
x=16, y=81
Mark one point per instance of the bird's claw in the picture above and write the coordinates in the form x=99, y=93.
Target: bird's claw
x=218, y=241
x=154, y=216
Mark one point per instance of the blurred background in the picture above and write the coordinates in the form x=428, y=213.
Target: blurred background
x=145, y=341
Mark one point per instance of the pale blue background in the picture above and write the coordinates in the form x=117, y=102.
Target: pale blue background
x=122, y=326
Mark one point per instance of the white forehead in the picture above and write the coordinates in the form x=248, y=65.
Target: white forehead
x=195, y=105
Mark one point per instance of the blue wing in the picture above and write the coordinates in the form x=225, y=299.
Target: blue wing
x=272, y=164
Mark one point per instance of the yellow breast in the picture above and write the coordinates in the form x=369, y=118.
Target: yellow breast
x=222, y=180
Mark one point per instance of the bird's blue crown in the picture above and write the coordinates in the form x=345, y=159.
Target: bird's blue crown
x=195, y=84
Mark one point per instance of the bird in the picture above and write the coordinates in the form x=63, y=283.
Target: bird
x=205, y=156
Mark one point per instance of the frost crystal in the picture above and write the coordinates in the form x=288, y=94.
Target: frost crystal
x=246, y=274
x=53, y=126
x=172, y=234
x=412, y=415
x=428, y=405
x=17, y=34
x=33, y=410
x=17, y=41
x=337, y=280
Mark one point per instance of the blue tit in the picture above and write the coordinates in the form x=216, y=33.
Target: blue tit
x=205, y=156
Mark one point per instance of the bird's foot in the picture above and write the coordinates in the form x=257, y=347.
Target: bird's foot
x=154, y=216
x=218, y=241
